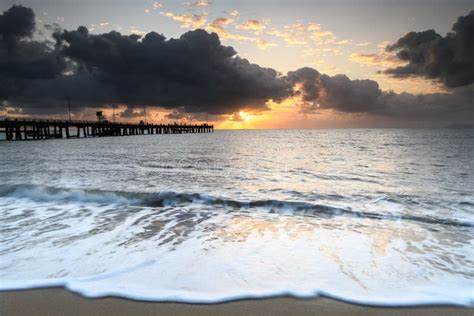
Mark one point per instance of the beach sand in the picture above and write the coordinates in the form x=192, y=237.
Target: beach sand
x=61, y=302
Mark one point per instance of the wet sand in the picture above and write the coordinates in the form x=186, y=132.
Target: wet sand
x=61, y=302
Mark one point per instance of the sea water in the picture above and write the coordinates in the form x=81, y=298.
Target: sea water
x=373, y=216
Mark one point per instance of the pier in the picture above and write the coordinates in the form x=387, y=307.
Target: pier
x=36, y=129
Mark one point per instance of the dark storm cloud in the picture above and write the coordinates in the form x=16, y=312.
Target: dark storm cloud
x=178, y=114
x=132, y=113
x=17, y=22
x=449, y=59
x=308, y=78
x=348, y=95
x=336, y=92
x=195, y=71
x=319, y=91
x=24, y=60
x=457, y=107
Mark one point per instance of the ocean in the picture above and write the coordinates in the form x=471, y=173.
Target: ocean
x=370, y=216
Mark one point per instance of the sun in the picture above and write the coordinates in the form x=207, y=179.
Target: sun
x=244, y=116
x=240, y=117
x=238, y=120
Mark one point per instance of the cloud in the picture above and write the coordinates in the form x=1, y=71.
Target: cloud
x=198, y=3
x=177, y=114
x=449, y=59
x=17, y=22
x=24, y=59
x=219, y=26
x=188, y=20
x=237, y=117
x=264, y=44
x=136, y=31
x=384, y=59
x=132, y=113
x=338, y=92
x=318, y=92
x=441, y=107
x=234, y=13
x=289, y=38
x=252, y=25
x=180, y=114
x=304, y=34
x=156, y=5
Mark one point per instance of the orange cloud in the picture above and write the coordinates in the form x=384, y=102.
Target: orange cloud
x=383, y=59
x=305, y=33
x=219, y=25
x=411, y=85
x=264, y=44
x=252, y=25
x=192, y=21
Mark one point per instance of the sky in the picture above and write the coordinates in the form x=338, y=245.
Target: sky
x=271, y=64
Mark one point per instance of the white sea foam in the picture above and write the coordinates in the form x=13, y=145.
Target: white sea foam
x=193, y=252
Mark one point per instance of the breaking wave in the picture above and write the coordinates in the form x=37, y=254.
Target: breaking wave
x=169, y=198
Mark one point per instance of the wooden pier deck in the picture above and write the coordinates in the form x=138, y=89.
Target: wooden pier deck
x=35, y=129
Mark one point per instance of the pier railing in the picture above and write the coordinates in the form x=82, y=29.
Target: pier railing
x=36, y=129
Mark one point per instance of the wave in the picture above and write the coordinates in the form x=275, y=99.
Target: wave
x=178, y=270
x=123, y=283
x=48, y=194
x=86, y=288
x=170, y=198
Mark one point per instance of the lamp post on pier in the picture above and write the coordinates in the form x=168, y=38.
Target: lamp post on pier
x=69, y=107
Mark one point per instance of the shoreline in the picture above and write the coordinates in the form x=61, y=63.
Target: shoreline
x=58, y=301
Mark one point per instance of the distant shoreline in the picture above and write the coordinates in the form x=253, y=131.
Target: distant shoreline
x=56, y=301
